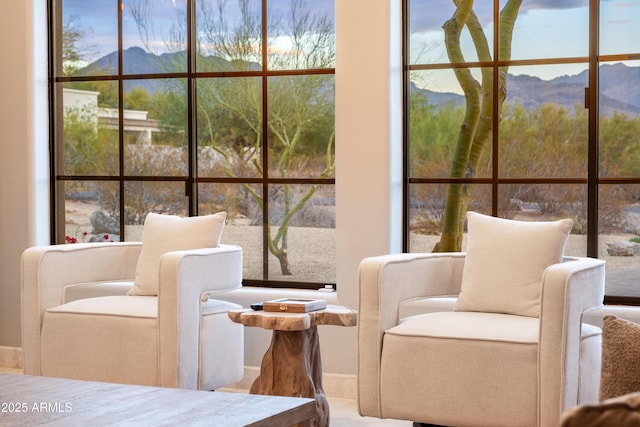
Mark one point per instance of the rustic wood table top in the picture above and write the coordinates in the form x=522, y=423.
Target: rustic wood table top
x=332, y=315
x=34, y=401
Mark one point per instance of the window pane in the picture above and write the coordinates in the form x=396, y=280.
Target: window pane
x=301, y=125
x=556, y=29
x=162, y=197
x=427, y=36
x=437, y=111
x=88, y=144
x=301, y=34
x=244, y=220
x=547, y=202
x=154, y=37
x=229, y=36
x=302, y=234
x=88, y=35
x=544, y=132
x=619, y=126
x=89, y=212
x=427, y=211
x=544, y=201
x=155, y=127
x=619, y=30
x=230, y=127
x=619, y=236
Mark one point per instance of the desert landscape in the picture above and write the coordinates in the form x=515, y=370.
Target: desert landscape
x=312, y=250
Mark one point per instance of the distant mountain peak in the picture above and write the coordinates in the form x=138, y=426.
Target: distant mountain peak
x=619, y=90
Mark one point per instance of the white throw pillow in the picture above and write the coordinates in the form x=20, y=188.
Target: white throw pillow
x=505, y=262
x=167, y=233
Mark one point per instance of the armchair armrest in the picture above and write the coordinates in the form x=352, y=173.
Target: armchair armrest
x=568, y=290
x=46, y=270
x=383, y=283
x=184, y=277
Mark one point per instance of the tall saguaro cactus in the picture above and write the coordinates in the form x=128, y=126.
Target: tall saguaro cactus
x=477, y=125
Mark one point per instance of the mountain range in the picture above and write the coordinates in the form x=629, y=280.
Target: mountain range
x=619, y=90
x=619, y=83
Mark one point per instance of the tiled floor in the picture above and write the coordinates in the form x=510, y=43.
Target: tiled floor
x=343, y=412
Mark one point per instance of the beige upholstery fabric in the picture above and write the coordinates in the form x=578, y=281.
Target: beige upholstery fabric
x=467, y=368
x=102, y=339
x=167, y=233
x=620, y=357
x=505, y=262
x=172, y=340
x=95, y=289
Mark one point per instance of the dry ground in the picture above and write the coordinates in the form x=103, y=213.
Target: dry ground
x=312, y=250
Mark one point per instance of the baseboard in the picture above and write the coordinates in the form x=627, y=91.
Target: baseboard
x=11, y=357
x=341, y=386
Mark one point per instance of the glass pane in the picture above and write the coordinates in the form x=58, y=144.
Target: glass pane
x=548, y=202
x=437, y=111
x=244, y=220
x=427, y=33
x=90, y=212
x=229, y=35
x=302, y=126
x=544, y=127
x=88, y=143
x=302, y=233
x=619, y=121
x=427, y=211
x=87, y=38
x=154, y=37
x=162, y=197
x=619, y=30
x=301, y=34
x=619, y=236
x=426, y=38
x=155, y=127
x=550, y=30
x=230, y=127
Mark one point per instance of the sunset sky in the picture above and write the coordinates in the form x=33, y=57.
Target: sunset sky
x=544, y=28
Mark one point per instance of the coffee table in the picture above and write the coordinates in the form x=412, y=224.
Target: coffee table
x=291, y=365
x=27, y=400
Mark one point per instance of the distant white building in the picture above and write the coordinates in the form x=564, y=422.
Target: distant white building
x=85, y=103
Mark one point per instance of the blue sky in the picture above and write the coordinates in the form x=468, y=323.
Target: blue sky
x=544, y=28
x=98, y=18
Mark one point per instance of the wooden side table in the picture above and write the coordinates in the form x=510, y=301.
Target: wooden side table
x=292, y=366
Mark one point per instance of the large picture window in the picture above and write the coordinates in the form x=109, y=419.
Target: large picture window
x=191, y=107
x=525, y=110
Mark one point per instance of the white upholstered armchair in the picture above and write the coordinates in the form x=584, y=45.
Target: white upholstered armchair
x=78, y=321
x=470, y=360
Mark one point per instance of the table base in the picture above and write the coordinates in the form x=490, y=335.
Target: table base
x=292, y=367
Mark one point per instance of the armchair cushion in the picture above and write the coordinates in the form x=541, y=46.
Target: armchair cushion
x=102, y=339
x=167, y=233
x=620, y=372
x=505, y=262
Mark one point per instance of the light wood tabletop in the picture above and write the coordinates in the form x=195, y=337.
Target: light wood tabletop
x=35, y=401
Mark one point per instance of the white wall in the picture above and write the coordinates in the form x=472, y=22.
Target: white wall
x=23, y=171
x=368, y=154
